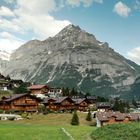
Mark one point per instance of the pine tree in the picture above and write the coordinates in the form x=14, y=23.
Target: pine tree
x=89, y=116
x=75, y=119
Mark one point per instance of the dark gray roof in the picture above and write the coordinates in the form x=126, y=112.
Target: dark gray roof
x=105, y=116
x=103, y=104
x=56, y=100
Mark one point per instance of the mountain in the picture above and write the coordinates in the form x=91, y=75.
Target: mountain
x=4, y=55
x=4, y=58
x=135, y=88
x=73, y=58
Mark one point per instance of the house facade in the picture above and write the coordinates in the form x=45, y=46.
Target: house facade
x=103, y=106
x=59, y=104
x=106, y=118
x=82, y=104
x=54, y=92
x=38, y=89
x=20, y=102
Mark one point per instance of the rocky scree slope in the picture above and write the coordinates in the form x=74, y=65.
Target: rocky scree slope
x=73, y=58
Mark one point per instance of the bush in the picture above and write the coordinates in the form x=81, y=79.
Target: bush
x=24, y=115
x=42, y=109
x=10, y=111
x=1, y=111
x=75, y=119
x=89, y=116
x=12, y=118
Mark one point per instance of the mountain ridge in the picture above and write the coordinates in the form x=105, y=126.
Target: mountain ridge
x=72, y=58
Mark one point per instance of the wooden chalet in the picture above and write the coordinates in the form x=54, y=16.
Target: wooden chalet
x=4, y=82
x=38, y=89
x=103, y=106
x=59, y=104
x=20, y=102
x=91, y=99
x=105, y=118
x=81, y=104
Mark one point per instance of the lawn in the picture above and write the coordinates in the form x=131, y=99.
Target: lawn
x=49, y=127
x=46, y=127
x=130, y=131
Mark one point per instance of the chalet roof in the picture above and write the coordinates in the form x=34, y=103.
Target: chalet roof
x=46, y=100
x=78, y=101
x=15, y=96
x=103, y=104
x=37, y=86
x=91, y=97
x=105, y=116
x=57, y=99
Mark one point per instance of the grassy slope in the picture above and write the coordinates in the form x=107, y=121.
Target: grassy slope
x=48, y=127
x=45, y=127
x=129, y=131
x=5, y=93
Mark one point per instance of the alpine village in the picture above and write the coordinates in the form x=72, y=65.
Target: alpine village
x=69, y=97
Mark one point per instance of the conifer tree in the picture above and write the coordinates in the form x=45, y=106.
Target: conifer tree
x=89, y=116
x=75, y=119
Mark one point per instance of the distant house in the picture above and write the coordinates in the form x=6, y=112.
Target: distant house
x=4, y=82
x=81, y=104
x=54, y=92
x=16, y=82
x=91, y=99
x=59, y=103
x=103, y=106
x=20, y=102
x=105, y=118
x=38, y=89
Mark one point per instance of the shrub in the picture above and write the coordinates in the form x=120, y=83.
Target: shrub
x=1, y=111
x=89, y=116
x=42, y=109
x=75, y=119
x=12, y=118
x=24, y=115
x=10, y=111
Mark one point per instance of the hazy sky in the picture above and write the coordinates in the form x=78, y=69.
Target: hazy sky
x=114, y=21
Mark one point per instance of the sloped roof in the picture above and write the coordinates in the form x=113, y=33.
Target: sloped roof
x=80, y=100
x=15, y=96
x=105, y=116
x=37, y=86
x=103, y=104
x=56, y=100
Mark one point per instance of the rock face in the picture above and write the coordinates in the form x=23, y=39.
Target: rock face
x=4, y=57
x=73, y=58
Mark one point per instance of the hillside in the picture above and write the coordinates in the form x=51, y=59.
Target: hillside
x=73, y=58
x=117, y=132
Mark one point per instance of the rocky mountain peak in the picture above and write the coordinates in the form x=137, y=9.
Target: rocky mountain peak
x=4, y=55
x=75, y=35
x=72, y=58
x=69, y=29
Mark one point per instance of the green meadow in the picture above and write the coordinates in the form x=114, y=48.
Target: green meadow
x=46, y=127
x=50, y=127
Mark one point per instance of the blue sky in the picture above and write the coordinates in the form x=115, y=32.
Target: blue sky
x=114, y=21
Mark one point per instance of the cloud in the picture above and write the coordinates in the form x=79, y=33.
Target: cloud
x=6, y=39
x=137, y=5
x=85, y=3
x=33, y=19
x=9, y=1
x=29, y=18
x=122, y=9
x=34, y=7
x=37, y=17
x=4, y=11
x=134, y=55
